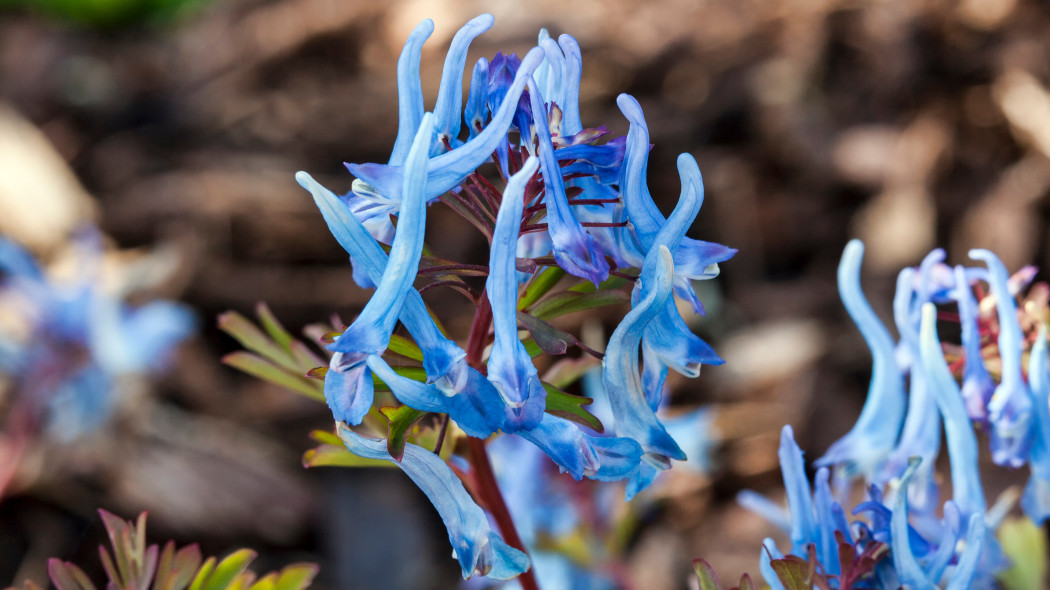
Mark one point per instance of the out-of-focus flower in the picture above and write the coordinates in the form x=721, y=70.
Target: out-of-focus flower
x=66, y=344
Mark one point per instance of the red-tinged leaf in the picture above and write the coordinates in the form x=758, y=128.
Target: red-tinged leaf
x=401, y=419
x=329, y=337
x=255, y=340
x=706, y=574
x=177, y=568
x=796, y=573
x=303, y=356
x=111, y=570
x=66, y=576
x=148, y=567
x=317, y=373
x=745, y=583
x=568, y=406
x=273, y=327
x=525, y=265
x=257, y=366
x=551, y=340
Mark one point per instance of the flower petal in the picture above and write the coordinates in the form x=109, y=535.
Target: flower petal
x=447, y=112
x=409, y=91
x=477, y=547
x=510, y=367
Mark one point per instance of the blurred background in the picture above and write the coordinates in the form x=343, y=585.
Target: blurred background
x=176, y=126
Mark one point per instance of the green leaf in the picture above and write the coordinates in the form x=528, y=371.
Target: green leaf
x=405, y=347
x=257, y=366
x=203, y=574
x=798, y=574
x=228, y=569
x=706, y=574
x=1025, y=544
x=296, y=576
x=402, y=419
x=568, y=302
x=568, y=406
x=414, y=373
x=177, y=568
x=613, y=282
x=333, y=453
x=539, y=285
x=551, y=340
x=745, y=583
x=273, y=327
x=255, y=340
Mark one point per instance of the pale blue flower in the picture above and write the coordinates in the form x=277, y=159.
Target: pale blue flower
x=874, y=435
x=1036, y=498
x=348, y=385
x=510, y=367
x=478, y=548
x=977, y=384
x=694, y=259
x=1010, y=409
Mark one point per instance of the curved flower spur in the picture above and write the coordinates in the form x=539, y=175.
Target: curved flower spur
x=572, y=228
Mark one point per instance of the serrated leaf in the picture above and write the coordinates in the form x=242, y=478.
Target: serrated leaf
x=401, y=419
x=551, y=340
x=539, y=285
x=259, y=367
x=568, y=406
x=706, y=575
x=405, y=347
x=568, y=302
x=297, y=576
x=255, y=340
x=273, y=327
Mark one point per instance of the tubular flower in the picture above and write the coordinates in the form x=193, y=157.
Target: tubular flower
x=545, y=193
x=955, y=547
x=875, y=433
x=1010, y=409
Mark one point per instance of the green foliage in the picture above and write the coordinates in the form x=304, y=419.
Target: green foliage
x=110, y=13
x=796, y=573
x=134, y=565
x=570, y=301
x=568, y=406
x=273, y=354
x=333, y=453
x=402, y=419
x=709, y=581
x=1024, y=543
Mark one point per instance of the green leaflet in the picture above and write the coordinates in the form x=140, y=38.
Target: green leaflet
x=401, y=419
x=568, y=302
x=568, y=406
x=539, y=285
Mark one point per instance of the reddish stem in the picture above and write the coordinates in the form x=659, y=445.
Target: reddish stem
x=484, y=478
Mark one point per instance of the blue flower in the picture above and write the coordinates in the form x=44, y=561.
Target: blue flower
x=348, y=386
x=874, y=435
x=977, y=383
x=478, y=548
x=443, y=360
x=1010, y=409
x=633, y=416
x=575, y=250
x=694, y=259
x=78, y=340
x=1036, y=498
x=510, y=367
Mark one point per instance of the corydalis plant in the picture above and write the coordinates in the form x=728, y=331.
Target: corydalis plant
x=571, y=226
x=130, y=564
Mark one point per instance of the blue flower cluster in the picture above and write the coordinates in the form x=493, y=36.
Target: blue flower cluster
x=913, y=393
x=568, y=202
x=66, y=344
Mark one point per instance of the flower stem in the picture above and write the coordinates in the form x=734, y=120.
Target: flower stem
x=486, y=487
